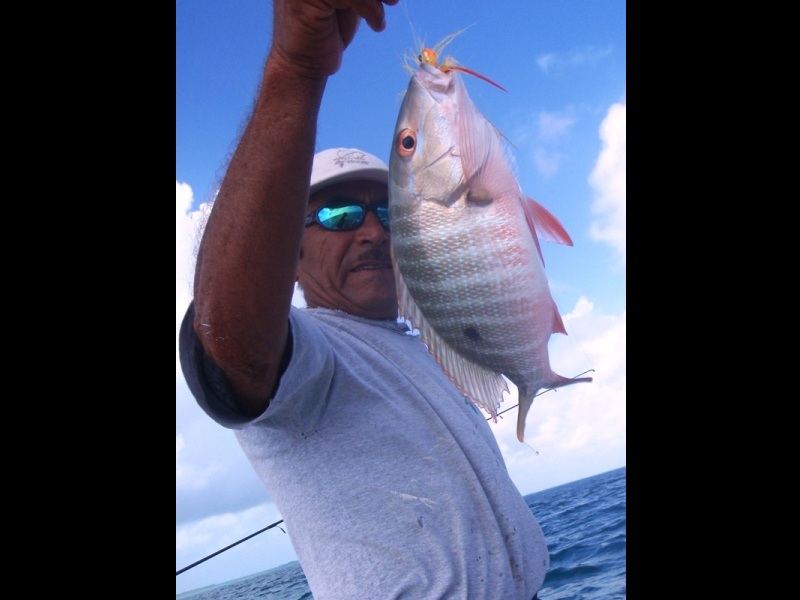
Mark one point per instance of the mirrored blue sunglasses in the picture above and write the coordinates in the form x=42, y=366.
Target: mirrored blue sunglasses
x=345, y=215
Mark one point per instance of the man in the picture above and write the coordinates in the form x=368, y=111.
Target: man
x=390, y=482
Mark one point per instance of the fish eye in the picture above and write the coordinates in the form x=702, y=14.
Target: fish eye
x=406, y=142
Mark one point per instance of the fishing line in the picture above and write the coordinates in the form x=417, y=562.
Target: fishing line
x=535, y=451
x=542, y=392
x=404, y=5
x=578, y=338
x=194, y=564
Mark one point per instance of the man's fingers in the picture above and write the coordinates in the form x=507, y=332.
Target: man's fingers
x=372, y=12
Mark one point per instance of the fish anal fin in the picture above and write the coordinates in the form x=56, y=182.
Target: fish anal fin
x=543, y=224
x=558, y=323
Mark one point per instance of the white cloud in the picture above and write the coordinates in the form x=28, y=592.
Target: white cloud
x=189, y=476
x=546, y=61
x=546, y=161
x=608, y=179
x=558, y=61
x=553, y=126
x=588, y=55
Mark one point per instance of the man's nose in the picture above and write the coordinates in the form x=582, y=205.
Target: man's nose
x=372, y=228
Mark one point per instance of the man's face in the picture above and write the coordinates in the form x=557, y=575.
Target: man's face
x=349, y=270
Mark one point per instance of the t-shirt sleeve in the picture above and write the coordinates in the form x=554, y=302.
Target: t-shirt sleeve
x=306, y=375
x=205, y=379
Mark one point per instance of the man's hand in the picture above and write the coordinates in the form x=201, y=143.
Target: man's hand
x=309, y=36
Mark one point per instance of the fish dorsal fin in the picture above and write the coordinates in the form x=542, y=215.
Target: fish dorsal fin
x=482, y=386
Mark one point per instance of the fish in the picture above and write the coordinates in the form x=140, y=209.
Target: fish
x=465, y=248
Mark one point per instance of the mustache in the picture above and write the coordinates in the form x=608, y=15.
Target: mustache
x=375, y=253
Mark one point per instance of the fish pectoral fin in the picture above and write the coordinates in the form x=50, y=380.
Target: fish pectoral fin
x=482, y=386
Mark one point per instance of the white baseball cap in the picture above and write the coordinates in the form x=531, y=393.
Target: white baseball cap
x=346, y=164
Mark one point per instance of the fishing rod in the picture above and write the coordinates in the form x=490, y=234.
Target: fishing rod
x=194, y=564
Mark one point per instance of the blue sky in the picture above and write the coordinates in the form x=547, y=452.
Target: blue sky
x=564, y=66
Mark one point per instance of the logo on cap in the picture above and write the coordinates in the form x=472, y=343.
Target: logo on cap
x=352, y=157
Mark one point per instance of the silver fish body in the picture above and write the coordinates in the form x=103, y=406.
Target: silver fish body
x=468, y=265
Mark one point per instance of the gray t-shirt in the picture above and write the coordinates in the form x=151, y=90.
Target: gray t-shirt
x=390, y=482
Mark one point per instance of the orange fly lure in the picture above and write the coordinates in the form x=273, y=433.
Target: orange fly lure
x=430, y=56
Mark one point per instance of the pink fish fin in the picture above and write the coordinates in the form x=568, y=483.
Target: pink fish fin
x=525, y=402
x=482, y=386
x=455, y=67
x=543, y=223
x=558, y=323
x=558, y=381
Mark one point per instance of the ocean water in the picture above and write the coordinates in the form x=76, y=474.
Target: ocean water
x=583, y=522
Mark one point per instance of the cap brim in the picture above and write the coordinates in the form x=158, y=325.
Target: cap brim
x=362, y=175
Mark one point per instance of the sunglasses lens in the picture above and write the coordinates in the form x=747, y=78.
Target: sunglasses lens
x=341, y=218
x=348, y=216
x=383, y=215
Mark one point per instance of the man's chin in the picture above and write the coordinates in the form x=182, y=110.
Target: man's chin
x=378, y=306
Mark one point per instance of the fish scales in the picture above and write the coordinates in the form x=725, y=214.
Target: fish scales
x=464, y=254
x=468, y=265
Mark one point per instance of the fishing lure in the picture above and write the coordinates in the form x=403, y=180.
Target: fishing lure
x=430, y=56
